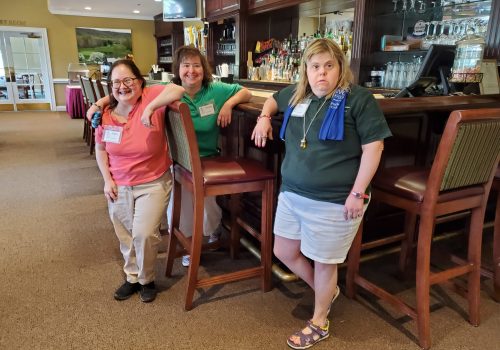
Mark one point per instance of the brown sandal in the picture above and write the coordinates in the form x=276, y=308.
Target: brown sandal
x=307, y=340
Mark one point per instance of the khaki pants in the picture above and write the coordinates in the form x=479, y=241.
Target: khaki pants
x=136, y=217
x=212, y=215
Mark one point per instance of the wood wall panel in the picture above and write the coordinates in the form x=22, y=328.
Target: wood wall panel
x=493, y=39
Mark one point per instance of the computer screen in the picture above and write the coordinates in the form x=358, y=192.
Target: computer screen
x=433, y=72
x=179, y=10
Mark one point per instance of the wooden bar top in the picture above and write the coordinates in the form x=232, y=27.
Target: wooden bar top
x=437, y=103
x=399, y=106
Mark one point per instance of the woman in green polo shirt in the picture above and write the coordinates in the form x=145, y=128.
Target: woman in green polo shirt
x=333, y=132
x=211, y=104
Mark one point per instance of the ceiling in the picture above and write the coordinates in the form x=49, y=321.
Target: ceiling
x=107, y=8
x=149, y=8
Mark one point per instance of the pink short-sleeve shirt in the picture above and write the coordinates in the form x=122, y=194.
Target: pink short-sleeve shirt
x=141, y=155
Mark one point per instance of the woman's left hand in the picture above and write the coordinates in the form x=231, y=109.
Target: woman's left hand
x=224, y=117
x=146, y=117
x=353, y=207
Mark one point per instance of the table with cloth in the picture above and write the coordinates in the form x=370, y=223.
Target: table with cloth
x=75, y=105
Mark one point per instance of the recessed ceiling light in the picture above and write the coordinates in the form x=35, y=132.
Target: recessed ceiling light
x=136, y=11
x=158, y=0
x=88, y=8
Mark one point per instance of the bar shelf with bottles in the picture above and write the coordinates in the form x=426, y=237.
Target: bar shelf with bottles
x=165, y=50
x=279, y=61
x=404, y=42
x=224, y=47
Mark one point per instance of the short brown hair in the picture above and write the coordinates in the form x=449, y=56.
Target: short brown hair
x=190, y=51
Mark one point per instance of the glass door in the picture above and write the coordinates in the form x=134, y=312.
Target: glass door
x=24, y=70
x=6, y=95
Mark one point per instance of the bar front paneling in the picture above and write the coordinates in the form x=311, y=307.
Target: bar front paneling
x=416, y=124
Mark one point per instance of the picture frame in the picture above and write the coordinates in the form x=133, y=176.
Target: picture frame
x=490, y=84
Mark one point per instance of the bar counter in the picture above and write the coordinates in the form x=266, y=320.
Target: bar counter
x=416, y=124
x=401, y=106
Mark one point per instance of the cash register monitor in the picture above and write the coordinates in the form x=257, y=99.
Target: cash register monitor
x=432, y=76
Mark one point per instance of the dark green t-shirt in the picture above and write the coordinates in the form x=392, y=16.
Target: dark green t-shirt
x=206, y=128
x=326, y=170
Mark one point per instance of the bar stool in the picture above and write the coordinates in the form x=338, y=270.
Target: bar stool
x=98, y=89
x=86, y=123
x=106, y=87
x=91, y=97
x=494, y=271
x=459, y=180
x=213, y=176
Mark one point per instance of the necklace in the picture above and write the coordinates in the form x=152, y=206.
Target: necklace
x=303, y=142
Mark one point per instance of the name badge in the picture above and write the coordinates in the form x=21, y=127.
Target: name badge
x=301, y=109
x=207, y=110
x=112, y=134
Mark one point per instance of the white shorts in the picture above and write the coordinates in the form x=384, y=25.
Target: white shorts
x=325, y=235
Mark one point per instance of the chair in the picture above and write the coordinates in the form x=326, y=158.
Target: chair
x=459, y=180
x=493, y=272
x=98, y=88
x=209, y=177
x=28, y=81
x=106, y=87
x=86, y=123
x=91, y=97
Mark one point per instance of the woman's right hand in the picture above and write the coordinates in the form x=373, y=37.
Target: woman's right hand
x=262, y=131
x=110, y=190
x=90, y=112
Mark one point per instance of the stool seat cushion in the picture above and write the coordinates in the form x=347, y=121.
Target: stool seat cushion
x=410, y=182
x=496, y=180
x=226, y=170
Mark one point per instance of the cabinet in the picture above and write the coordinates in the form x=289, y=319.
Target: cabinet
x=224, y=45
x=259, y=3
x=217, y=8
x=259, y=6
x=169, y=36
x=432, y=22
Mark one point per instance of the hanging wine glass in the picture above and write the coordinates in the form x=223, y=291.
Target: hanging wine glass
x=422, y=7
x=395, y=5
x=412, y=5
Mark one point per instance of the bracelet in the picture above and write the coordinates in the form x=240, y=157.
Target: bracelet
x=98, y=107
x=360, y=195
x=263, y=116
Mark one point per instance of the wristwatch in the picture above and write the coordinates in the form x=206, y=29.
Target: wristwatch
x=360, y=195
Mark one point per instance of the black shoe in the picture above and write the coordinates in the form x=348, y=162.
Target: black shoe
x=126, y=290
x=148, y=292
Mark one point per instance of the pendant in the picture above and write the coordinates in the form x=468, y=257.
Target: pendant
x=303, y=143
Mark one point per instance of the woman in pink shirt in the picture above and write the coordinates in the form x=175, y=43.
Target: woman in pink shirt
x=131, y=153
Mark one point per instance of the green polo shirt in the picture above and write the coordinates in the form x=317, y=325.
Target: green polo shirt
x=326, y=170
x=206, y=128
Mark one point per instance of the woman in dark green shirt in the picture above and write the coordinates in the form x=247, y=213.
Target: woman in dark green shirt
x=333, y=133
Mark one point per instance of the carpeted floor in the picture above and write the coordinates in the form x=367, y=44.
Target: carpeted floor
x=60, y=265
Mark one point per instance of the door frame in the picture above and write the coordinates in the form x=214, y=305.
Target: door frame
x=45, y=41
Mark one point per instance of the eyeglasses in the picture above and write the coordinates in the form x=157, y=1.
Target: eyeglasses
x=125, y=81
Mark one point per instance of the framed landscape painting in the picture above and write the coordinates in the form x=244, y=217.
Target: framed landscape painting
x=102, y=45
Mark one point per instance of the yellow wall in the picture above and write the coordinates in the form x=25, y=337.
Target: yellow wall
x=62, y=36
